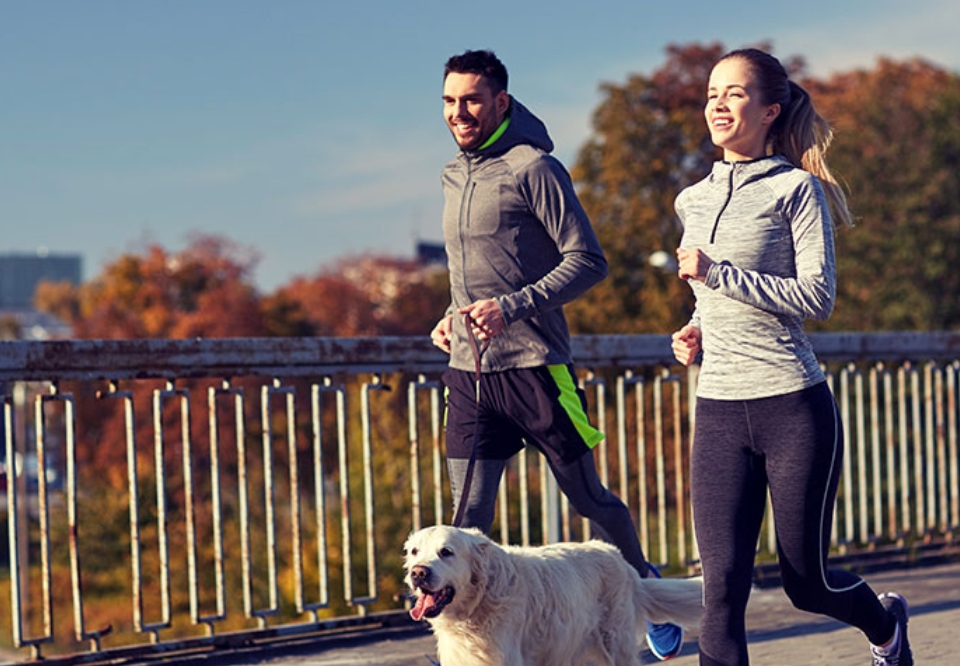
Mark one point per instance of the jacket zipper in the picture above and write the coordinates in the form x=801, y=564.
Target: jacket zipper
x=716, y=222
x=465, y=201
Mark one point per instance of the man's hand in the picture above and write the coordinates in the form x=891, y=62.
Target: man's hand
x=441, y=333
x=486, y=318
x=686, y=344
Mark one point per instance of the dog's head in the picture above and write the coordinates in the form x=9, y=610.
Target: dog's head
x=443, y=567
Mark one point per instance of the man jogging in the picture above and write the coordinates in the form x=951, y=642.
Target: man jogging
x=519, y=247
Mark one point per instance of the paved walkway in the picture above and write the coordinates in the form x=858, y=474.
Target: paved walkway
x=779, y=634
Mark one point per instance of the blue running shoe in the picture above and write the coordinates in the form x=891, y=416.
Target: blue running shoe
x=664, y=640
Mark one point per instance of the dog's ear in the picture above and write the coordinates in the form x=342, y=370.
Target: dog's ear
x=480, y=547
x=492, y=569
x=478, y=560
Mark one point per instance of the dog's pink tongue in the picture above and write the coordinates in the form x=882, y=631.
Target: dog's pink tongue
x=424, y=603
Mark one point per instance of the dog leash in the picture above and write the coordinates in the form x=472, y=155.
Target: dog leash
x=477, y=348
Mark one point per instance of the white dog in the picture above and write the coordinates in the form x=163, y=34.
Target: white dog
x=560, y=605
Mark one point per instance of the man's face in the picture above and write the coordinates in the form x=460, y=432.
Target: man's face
x=472, y=111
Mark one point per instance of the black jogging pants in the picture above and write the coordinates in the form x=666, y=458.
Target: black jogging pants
x=793, y=445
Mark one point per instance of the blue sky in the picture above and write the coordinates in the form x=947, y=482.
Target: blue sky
x=311, y=131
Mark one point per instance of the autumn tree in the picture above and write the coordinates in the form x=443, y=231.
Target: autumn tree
x=9, y=328
x=364, y=296
x=205, y=290
x=897, y=148
x=60, y=299
x=649, y=141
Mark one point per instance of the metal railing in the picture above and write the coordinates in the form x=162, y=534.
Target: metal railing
x=241, y=527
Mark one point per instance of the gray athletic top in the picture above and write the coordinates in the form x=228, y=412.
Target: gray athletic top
x=767, y=226
x=515, y=231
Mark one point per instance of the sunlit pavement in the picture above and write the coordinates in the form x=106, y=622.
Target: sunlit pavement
x=779, y=634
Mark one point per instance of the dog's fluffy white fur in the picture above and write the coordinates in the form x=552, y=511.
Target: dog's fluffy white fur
x=565, y=604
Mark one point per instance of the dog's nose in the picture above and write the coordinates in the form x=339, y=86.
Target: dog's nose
x=419, y=575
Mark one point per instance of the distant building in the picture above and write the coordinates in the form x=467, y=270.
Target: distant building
x=19, y=276
x=21, y=273
x=431, y=254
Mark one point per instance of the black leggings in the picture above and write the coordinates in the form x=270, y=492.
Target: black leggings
x=793, y=445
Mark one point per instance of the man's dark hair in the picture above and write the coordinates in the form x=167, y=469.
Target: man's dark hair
x=483, y=62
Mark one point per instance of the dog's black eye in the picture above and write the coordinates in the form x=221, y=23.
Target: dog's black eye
x=413, y=552
x=446, y=552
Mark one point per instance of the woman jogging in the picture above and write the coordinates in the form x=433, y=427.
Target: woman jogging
x=757, y=249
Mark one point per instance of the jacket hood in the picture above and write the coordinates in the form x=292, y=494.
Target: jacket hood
x=524, y=128
x=747, y=172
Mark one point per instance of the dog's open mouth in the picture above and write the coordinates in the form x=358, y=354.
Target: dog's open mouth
x=431, y=602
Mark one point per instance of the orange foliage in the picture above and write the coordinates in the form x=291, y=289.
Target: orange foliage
x=203, y=291
x=367, y=296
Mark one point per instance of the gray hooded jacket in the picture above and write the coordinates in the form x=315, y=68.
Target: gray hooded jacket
x=767, y=226
x=515, y=231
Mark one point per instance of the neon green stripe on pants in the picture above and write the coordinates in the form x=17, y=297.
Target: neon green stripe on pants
x=572, y=405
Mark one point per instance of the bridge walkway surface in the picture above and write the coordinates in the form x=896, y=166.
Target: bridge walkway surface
x=779, y=635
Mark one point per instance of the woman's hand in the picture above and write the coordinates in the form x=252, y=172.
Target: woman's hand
x=693, y=264
x=686, y=344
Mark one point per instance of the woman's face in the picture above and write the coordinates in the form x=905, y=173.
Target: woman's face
x=736, y=114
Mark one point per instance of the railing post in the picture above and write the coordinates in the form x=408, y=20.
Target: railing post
x=433, y=389
x=320, y=496
x=638, y=383
x=19, y=538
x=369, y=525
x=953, y=415
x=133, y=500
x=591, y=379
